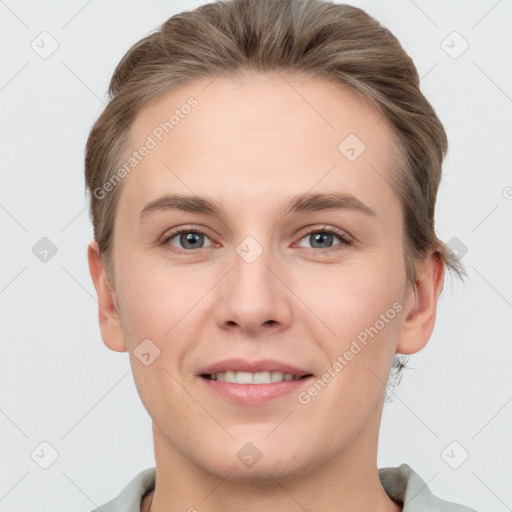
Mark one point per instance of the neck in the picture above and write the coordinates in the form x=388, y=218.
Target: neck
x=349, y=481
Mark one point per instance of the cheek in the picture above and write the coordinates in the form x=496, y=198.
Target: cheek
x=346, y=300
x=154, y=300
x=362, y=313
x=162, y=396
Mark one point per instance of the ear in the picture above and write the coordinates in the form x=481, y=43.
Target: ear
x=108, y=314
x=421, y=305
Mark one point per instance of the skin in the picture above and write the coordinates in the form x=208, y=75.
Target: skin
x=250, y=144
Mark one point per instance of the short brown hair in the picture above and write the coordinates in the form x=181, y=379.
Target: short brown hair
x=340, y=43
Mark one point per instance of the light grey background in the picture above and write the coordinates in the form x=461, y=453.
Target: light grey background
x=61, y=385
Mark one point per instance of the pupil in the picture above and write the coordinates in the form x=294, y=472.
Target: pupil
x=321, y=238
x=189, y=239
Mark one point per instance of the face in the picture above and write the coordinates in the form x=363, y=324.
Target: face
x=259, y=240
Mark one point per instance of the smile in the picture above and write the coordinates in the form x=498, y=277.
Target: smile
x=241, y=377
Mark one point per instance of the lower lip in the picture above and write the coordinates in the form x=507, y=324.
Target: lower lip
x=254, y=394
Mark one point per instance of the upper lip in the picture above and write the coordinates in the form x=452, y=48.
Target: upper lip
x=261, y=365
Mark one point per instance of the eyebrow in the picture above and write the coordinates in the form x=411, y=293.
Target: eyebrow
x=295, y=204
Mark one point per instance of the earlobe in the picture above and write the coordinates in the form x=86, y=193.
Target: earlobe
x=108, y=314
x=421, y=305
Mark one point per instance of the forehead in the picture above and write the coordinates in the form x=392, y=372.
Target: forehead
x=261, y=133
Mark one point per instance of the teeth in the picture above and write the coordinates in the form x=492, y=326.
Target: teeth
x=253, y=378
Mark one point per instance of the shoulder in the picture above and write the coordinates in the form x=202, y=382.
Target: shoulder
x=405, y=486
x=129, y=500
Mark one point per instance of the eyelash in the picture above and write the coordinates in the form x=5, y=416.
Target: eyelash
x=345, y=241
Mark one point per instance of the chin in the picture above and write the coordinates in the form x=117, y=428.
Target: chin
x=248, y=462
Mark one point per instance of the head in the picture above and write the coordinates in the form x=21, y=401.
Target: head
x=272, y=111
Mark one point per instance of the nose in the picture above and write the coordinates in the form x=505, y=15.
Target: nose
x=253, y=297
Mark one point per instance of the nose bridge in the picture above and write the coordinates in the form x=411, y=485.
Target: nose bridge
x=251, y=267
x=252, y=281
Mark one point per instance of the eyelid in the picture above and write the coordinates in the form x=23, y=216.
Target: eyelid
x=194, y=228
x=344, y=237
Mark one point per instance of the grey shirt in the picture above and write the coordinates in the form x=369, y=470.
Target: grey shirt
x=402, y=484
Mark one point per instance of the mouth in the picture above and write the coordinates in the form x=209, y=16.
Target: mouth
x=264, y=377
x=250, y=383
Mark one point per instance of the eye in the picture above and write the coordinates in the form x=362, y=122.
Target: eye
x=187, y=240
x=322, y=238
